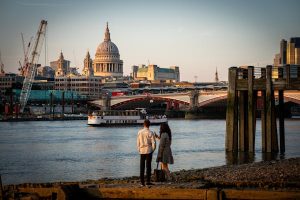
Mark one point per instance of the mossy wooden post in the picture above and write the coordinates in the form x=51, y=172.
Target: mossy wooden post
x=268, y=109
x=263, y=114
x=242, y=120
x=281, y=114
x=231, y=142
x=274, y=127
x=251, y=112
x=243, y=114
x=281, y=122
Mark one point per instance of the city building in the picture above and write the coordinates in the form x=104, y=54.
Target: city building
x=107, y=58
x=289, y=52
x=293, y=51
x=277, y=60
x=155, y=73
x=45, y=71
x=62, y=66
x=61, y=63
x=9, y=81
x=88, y=66
x=89, y=87
x=282, y=55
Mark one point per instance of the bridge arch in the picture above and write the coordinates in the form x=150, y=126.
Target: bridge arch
x=149, y=98
x=287, y=98
x=212, y=100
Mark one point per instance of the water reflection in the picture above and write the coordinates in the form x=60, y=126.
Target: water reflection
x=272, y=156
x=237, y=158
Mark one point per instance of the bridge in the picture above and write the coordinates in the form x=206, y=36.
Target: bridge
x=180, y=101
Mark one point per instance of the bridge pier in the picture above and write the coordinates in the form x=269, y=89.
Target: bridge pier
x=194, y=96
x=242, y=107
x=106, y=102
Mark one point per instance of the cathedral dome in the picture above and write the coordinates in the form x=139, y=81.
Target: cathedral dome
x=107, y=48
x=107, y=58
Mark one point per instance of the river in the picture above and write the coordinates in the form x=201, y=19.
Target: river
x=51, y=151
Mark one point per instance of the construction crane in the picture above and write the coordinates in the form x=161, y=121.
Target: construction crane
x=24, y=67
x=31, y=64
x=1, y=65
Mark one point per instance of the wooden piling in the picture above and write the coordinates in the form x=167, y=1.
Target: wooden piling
x=243, y=120
x=242, y=96
x=251, y=113
x=274, y=137
x=268, y=109
x=263, y=121
x=231, y=114
x=288, y=75
x=281, y=121
x=263, y=113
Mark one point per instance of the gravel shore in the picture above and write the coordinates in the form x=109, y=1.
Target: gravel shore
x=266, y=175
x=277, y=174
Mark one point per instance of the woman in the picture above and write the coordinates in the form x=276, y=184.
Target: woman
x=164, y=154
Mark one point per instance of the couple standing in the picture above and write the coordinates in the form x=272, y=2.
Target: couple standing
x=146, y=145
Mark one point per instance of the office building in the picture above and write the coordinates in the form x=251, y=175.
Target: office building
x=155, y=73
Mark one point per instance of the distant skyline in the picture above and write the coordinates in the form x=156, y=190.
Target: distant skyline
x=198, y=36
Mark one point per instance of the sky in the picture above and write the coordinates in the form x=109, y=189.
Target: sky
x=198, y=36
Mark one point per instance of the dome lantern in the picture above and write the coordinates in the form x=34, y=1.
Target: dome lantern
x=107, y=33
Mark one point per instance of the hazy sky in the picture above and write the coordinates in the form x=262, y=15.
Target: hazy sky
x=198, y=36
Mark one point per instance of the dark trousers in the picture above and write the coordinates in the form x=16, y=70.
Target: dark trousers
x=148, y=159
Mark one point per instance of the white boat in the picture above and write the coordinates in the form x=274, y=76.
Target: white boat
x=123, y=117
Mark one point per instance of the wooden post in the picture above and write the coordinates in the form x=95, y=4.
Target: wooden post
x=263, y=114
x=251, y=113
x=268, y=109
x=281, y=121
x=263, y=121
x=280, y=73
x=231, y=114
x=242, y=122
x=274, y=137
x=288, y=75
x=298, y=73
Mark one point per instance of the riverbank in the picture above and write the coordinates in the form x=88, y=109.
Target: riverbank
x=266, y=178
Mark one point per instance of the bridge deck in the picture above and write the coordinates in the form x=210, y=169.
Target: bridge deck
x=260, y=84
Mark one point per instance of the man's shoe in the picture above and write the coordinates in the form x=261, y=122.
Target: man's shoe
x=149, y=183
x=142, y=185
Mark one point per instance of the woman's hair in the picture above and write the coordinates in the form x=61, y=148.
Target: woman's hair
x=164, y=128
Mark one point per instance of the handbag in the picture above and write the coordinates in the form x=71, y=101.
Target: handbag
x=159, y=174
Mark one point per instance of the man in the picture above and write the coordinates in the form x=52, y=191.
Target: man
x=146, y=145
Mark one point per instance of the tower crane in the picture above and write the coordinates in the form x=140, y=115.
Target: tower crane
x=31, y=64
x=24, y=67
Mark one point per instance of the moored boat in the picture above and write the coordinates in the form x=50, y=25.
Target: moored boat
x=123, y=117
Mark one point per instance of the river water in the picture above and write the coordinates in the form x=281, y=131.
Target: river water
x=50, y=151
